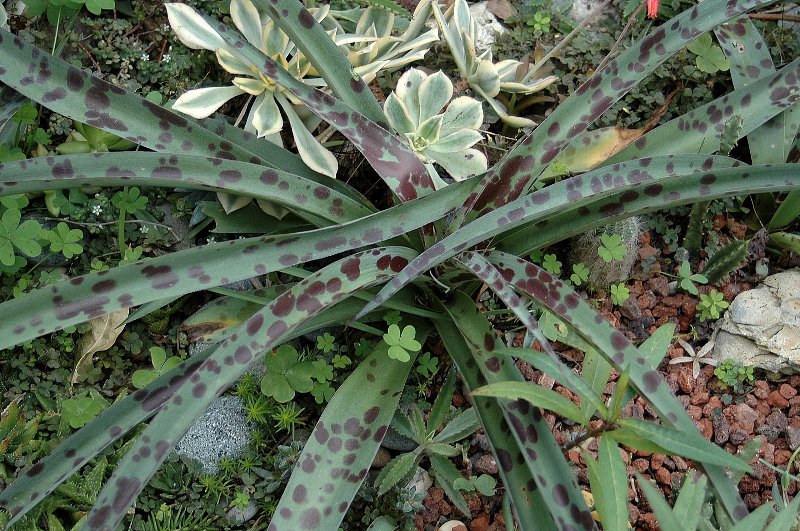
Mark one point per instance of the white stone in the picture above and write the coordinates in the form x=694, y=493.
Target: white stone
x=489, y=28
x=762, y=326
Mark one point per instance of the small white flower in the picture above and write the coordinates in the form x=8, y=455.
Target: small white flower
x=144, y=57
x=144, y=229
x=97, y=210
x=166, y=58
x=211, y=239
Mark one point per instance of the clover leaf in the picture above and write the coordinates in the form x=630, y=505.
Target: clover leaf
x=63, y=240
x=129, y=200
x=161, y=365
x=552, y=264
x=688, y=279
x=580, y=274
x=400, y=343
x=22, y=236
x=611, y=248
x=326, y=342
x=427, y=365
x=710, y=57
x=286, y=374
x=79, y=411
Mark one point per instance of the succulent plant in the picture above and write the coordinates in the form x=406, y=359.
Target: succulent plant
x=437, y=129
x=483, y=75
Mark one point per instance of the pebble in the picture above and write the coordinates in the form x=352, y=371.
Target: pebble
x=793, y=438
x=486, y=464
x=479, y=523
x=746, y=417
x=382, y=458
x=453, y=525
x=722, y=428
x=663, y=476
x=778, y=420
x=776, y=399
x=787, y=391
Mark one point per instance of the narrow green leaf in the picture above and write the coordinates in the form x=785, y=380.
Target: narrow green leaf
x=398, y=468
x=786, y=518
x=595, y=371
x=442, y=403
x=787, y=240
x=754, y=520
x=690, y=500
x=662, y=510
x=535, y=394
x=690, y=445
x=787, y=212
x=446, y=474
x=463, y=425
x=614, y=488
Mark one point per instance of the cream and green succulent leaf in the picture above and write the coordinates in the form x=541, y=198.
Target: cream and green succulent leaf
x=438, y=132
x=483, y=75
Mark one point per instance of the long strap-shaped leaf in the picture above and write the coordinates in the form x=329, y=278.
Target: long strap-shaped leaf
x=80, y=299
x=700, y=130
x=70, y=91
x=392, y=159
x=340, y=451
x=750, y=60
x=312, y=39
x=263, y=331
x=512, y=176
x=676, y=191
x=569, y=306
x=554, y=480
x=190, y=171
x=520, y=484
x=571, y=193
x=38, y=481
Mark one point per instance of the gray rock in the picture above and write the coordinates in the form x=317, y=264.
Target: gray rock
x=240, y=516
x=223, y=431
x=489, y=28
x=762, y=326
x=421, y=481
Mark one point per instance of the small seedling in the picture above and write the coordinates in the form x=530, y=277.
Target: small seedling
x=64, y=240
x=485, y=484
x=326, y=342
x=711, y=305
x=696, y=358
x=78, y=411
x=580, y=274
x=427, y=365
x=688, y=279
x=619, y=294
x=710, y=58
x=734, y=375
x=286, y=374
x=161, y=365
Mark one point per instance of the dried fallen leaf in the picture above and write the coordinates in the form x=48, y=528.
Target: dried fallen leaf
x=100, y=337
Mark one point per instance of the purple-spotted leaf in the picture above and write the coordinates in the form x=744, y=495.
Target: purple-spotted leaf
x=532, y=438
x=511, y=177
x=263, y=331
x=531, y=507
x=188, y=171
x=639, y=179
x=570, y=307
x=92, y=295
x=535, y=394
x=89, y=99
x=613, y=492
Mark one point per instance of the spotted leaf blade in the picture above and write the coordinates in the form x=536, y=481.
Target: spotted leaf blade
x=636, y=200
x=338, y=455
x=570, y=307
x=511, y=177
x=532, y=436
x=701, y=130
x=750, y=60
x=312, y=39
x=263, y=331
x=89, y=99
x=392, y=159
x=188, y=171
x=80, y=299
x=520, y=485
x=567, y=195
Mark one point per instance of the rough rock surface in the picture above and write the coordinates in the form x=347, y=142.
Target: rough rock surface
x=488, y=26
x=762, y=326
x=223, y=431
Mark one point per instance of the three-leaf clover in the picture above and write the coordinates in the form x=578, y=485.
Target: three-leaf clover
x=322, y=371
x=161, y=365
x=710, y=57
x=611, y=248
x=551, y=264
x=130, y=200
x=400, y=343
x=340, y=361
x=688, y=279
x=22, y=236
x=286, y=374
x=393, y=317
x=326, y=342
x=79, y=411
x=64, y=240
x=580, y=274
x=322, y=392
x=427, y=365
x=619, y=293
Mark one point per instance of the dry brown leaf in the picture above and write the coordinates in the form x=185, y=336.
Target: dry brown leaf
x=102, y=336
